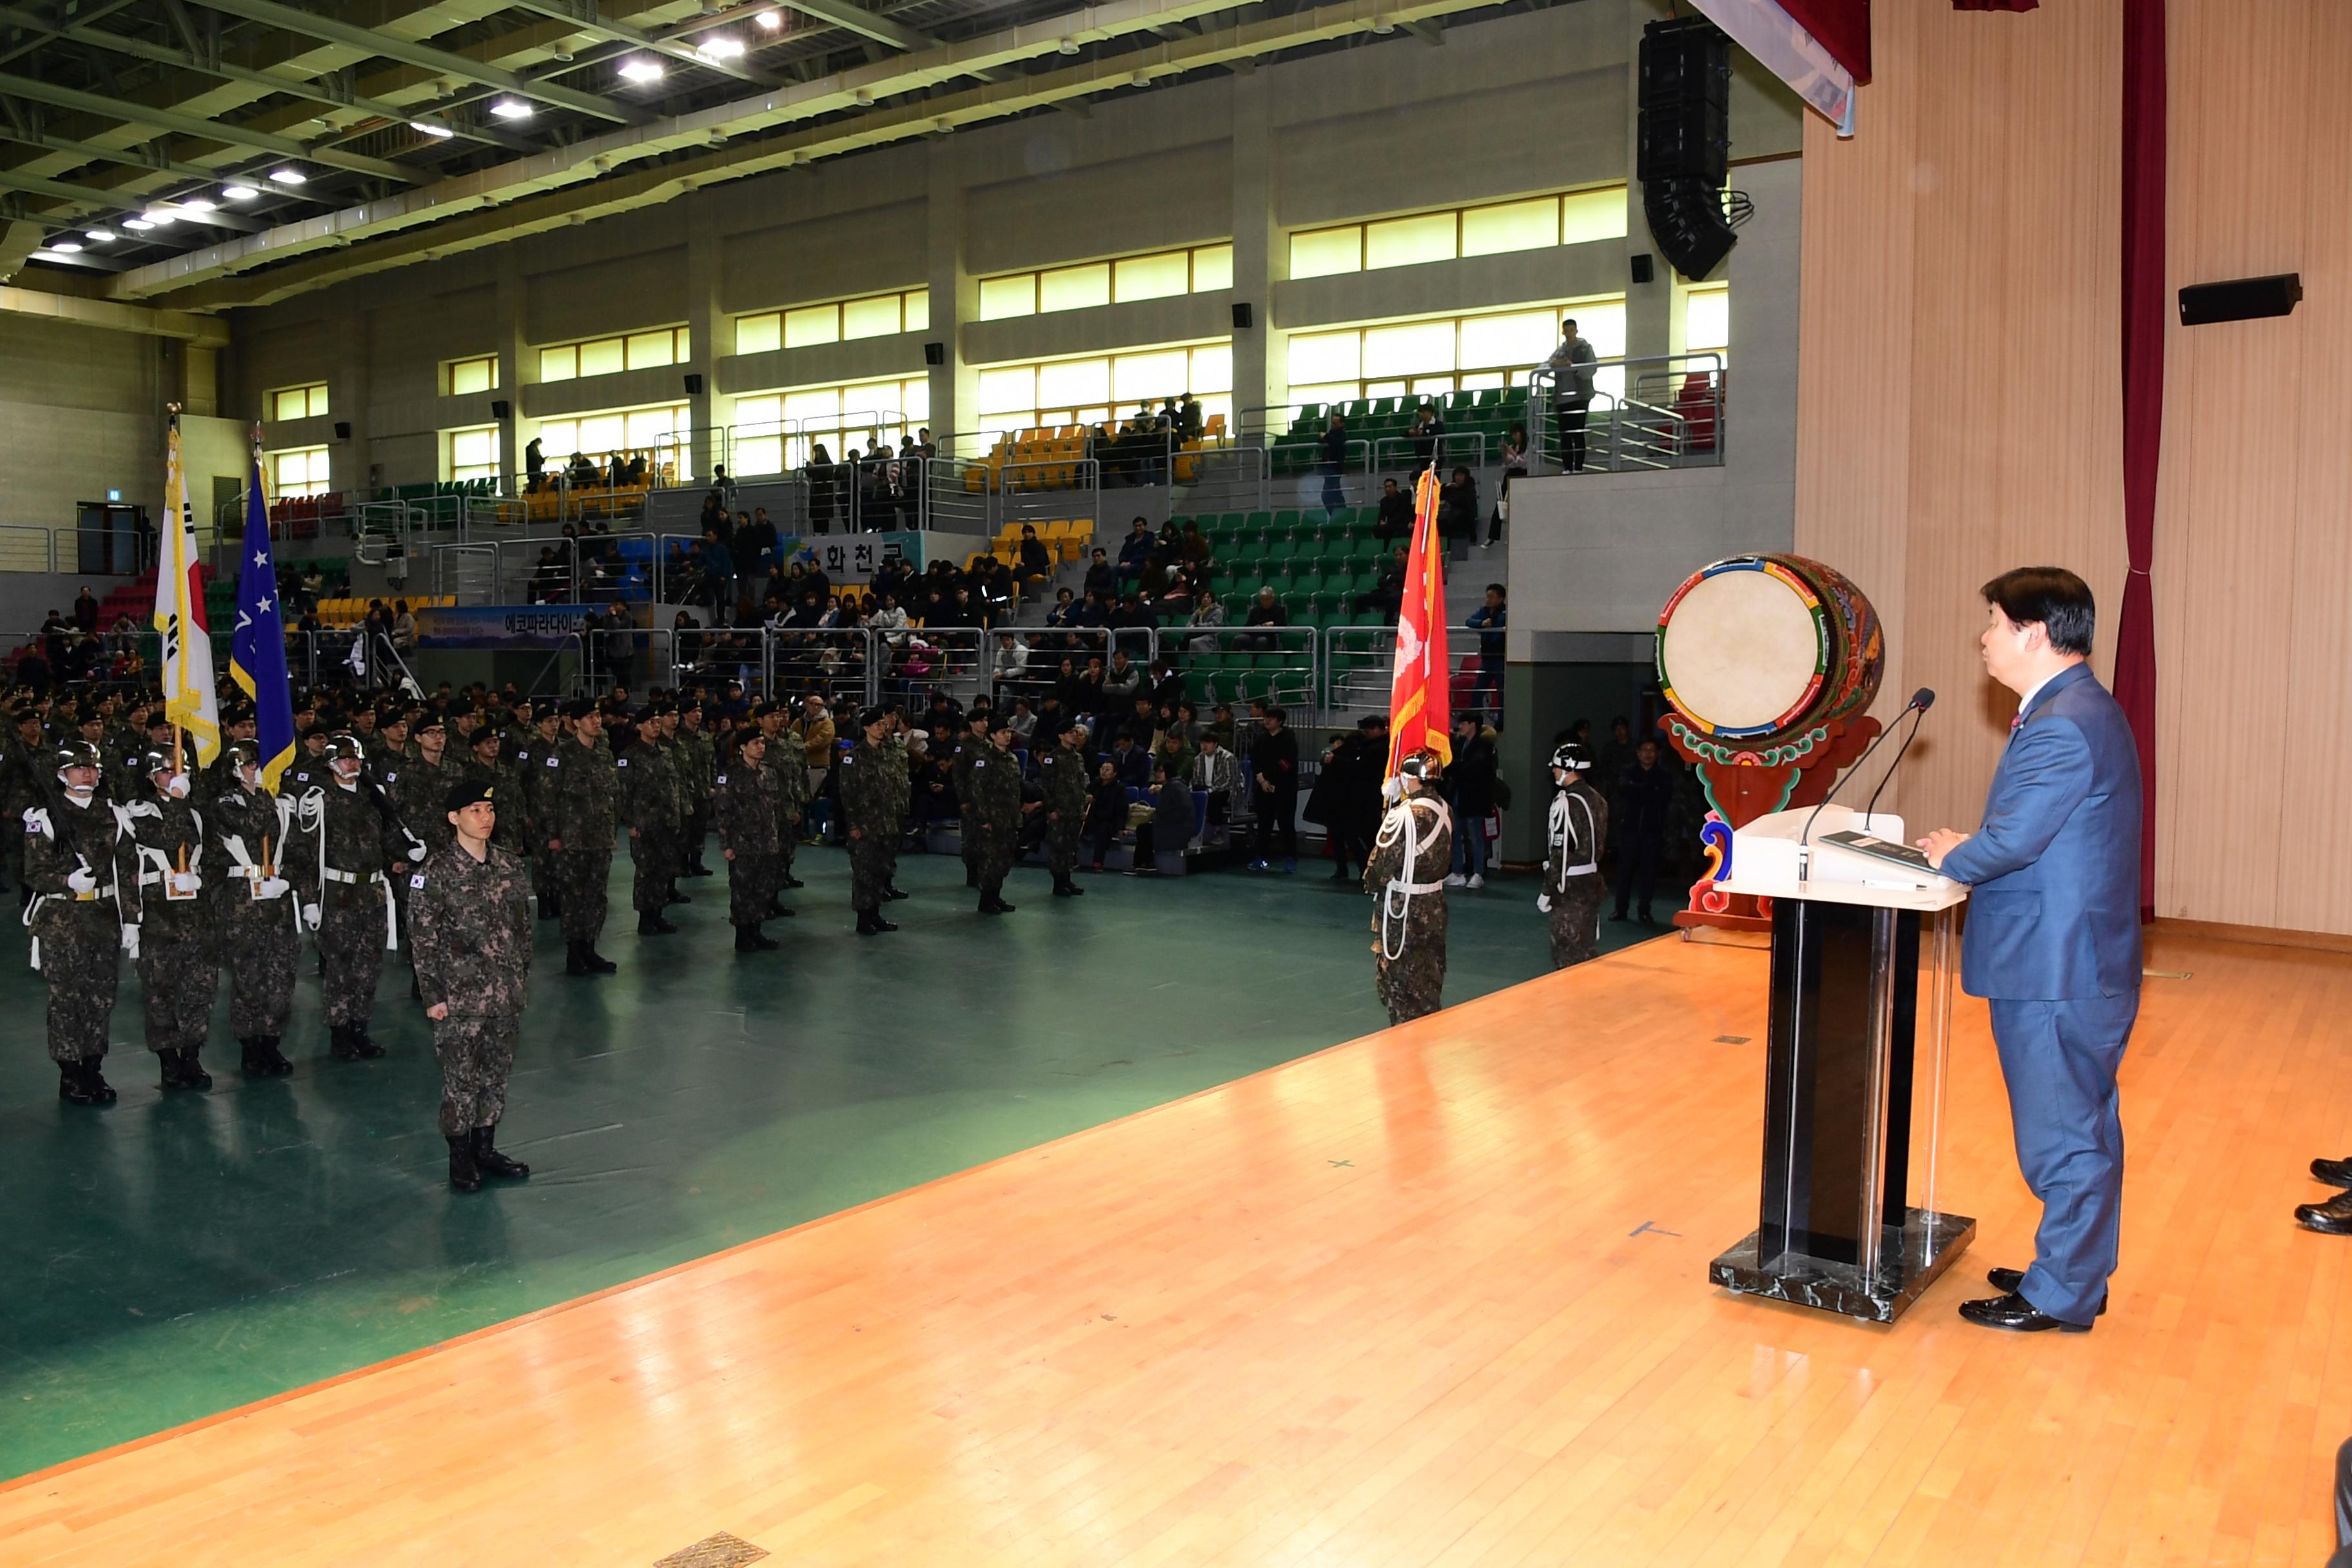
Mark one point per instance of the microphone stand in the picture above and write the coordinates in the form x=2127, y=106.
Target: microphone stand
x=1917, y=716
x=1804, y=839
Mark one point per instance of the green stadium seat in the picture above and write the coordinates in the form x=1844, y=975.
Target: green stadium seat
x=1282, y=525
x=1359, y=411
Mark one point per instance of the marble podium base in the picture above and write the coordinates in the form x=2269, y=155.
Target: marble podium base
x=1903, y=1273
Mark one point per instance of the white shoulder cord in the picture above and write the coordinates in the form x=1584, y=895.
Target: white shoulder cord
x=1397, y=895
x=1558, y=831
x=312, y=812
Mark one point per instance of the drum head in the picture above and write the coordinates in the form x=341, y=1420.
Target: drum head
x=1743, y=650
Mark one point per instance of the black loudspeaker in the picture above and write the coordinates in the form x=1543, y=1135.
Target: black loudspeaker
x=1645, y=268
x=501, y=409
x=1683, y=147
x=1241, y=315
x=693, y=386
x=2241, y=300
x=342, y=430
x=935, y=353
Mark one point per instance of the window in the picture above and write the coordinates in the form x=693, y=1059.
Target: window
x=299, y=403
x=834, y=321
x=1051, y=393
x=470, y=454
x=298, y=472
x=461, y=376
x=1410, y=359
x=1573, y=218
x=662, y=434
x=1706, y=320
x=603, y=356
x=774, y=432
x=1156, y=275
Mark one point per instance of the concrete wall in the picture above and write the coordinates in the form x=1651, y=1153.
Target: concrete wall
x=82, y=410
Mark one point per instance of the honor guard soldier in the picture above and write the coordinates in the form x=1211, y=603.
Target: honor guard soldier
x=471, y=902
x=249, y=833
x=580, y=818
x=995, y=795
x=649, y=802
x=1062, y=777
x=867, y=804
x=1573, y=888
x=76, y=862
x=168, y=920
x=1406, y=877
x=745, y=807
x=356, y=850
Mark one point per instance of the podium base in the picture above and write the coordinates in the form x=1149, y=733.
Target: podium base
x=1903, y=1272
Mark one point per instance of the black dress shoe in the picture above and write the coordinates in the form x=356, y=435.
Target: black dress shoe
x=2334, y=1173
x=2018, y=1315
x=2009, y=1279
x=2332, y=1217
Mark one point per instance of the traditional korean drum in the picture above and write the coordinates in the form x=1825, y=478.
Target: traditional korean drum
x=1763, y=649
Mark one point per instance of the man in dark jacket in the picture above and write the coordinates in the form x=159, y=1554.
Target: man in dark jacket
x=1172, y=824
x=1274, y=791
x=1644, y=792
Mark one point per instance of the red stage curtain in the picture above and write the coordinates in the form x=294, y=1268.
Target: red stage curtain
x=2143, y=372
x=1841, y=27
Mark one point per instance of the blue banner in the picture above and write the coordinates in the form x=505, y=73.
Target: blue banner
x=504, y=626
x=256, y=659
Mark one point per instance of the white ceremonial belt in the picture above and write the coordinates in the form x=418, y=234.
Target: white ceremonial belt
x=353, y=879
x=1584, y=870
x=1437, y=887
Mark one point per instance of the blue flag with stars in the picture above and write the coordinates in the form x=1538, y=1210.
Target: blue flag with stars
x=256, y=660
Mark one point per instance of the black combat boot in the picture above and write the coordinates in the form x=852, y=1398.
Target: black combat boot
x=971, y=877
x=575, y=961
x=762, y=942
x=192, y=1072
x=597, y=962
x=991, y=902
x=490, y=1161
x=550, y=906
x=170, y=1063
x=339, y=1042
x=78, y=1083
x=464, y=1175
x=1071, y=887
x=273, y=1051
x=776, y=905
x=364, y=1049
x=791, y=881
x=250, y=1061
x=650, y=923
x=744, y=935
x=889, y=890
x=675, y=897
x=1062, y=888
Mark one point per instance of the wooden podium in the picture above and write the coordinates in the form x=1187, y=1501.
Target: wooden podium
x=1837, y=1228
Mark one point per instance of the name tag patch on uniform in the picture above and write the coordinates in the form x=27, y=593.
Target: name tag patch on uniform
x=417, y=881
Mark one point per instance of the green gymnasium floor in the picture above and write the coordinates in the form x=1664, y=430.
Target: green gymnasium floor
x=165, y=1259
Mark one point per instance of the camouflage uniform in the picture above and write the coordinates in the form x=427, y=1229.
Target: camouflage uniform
x=538, y=760
x=78, y=936
x=414, y=788
x=248, y=832
x=505, y=780
x=1062, y=777
x=1411, y=924
x=867, y=803
x=175, y=950
x=473, y=952
x=649, y=802
x=747, y=821
x=995, y=795
x=353, y=847
x=697, y=769
x=968, y=747
x=787, y=761
x=580, y=815
x=1578, y=827
x=20, y=776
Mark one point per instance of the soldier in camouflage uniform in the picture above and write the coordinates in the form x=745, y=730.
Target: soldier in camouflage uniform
x=487, y=768
x=1406, y=877
x=417, y=780
x=250, y=842
x=537, y=759
x=649, y=803
x=1573, y=888
x=386, y=747
x=868, y=806
x=356, y=850
x=472, y=901
x=168, y=920
x=76, y=862
x=1062, y=777
x=901, y=775
x=745, y=809
x=582, y=805
x=22, y=769
x=697, y=772
x=967, y=747
x=788, y=765
x=995, y=793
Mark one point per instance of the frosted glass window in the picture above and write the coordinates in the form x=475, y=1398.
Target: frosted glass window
x=1412, y=347
x=1326, y=251
x=1525, y=338
x=812, y=325
x=814, y=409
x=301, y=471
x=1405, y=241
x=473, y=448
x=1602, y=321
x=648, y=350
x=649, y=426
x=1074, y=287
x=290, y=406
x=685, y=341
x=301, y=402
x=1213, y=369
x=759, y=455
x=1430, y=386
x=1001, y=298
x=1706, y=320
x=1340, y=391
x=1592, y=215
x=1325, y=356
x=1154, y=276
x=915, y=399
x=759, y=334
x=1135, y=377
x=470, y=375
x=1513, y=226
x=918, y=309
x=559, y=364
x=1003, y=390
x=1482, y=381
x=1073, y=382
x=1212, y=268
x=1385, y=389
x=756, y=412
x=601, y=432
x=601, y=357
x=874, y=318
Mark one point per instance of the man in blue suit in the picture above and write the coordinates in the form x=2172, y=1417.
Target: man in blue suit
x=2053, y=939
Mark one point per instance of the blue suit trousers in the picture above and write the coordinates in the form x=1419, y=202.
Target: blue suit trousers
x=2059, y=1060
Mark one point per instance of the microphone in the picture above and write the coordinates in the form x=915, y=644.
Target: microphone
x=1921, y=701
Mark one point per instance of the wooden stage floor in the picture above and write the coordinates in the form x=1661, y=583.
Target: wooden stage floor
x=1436, y=1296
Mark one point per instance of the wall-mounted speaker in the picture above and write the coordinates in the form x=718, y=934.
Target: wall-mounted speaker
x=935, y=353
x=1682, y=141
x=1645, y=268
x=342, y=430
x=1241, y=315
x=2241, y=300
x=501, y=409
x=693, y=386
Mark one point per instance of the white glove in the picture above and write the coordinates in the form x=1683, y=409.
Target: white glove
x=1543, y=904
x=416, y=849
x=131, y=940
x=81, y=881
x=272, y=887
x=187, y=884
x=311, y=916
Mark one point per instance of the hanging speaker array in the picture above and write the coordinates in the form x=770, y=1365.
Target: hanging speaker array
x=1683, y=156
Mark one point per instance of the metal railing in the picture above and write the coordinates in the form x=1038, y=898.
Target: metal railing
x=1663, y=411
x=953, y=501
x=1359, y=662
x=25, y=548
x=1049, y=491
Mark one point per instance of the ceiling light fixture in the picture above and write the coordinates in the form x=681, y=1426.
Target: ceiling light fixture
x=639, y=68
x=137, y=225
x=772, y=20
x=161, y=217
x=66, y=247
x=429, y=129
x=195, y=204
x=721, y=46
x=512, y=109
x=286, y=176
x=239, y=193
x=103, y=236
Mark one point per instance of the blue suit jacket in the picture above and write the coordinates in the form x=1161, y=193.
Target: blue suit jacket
x=2054, y=912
